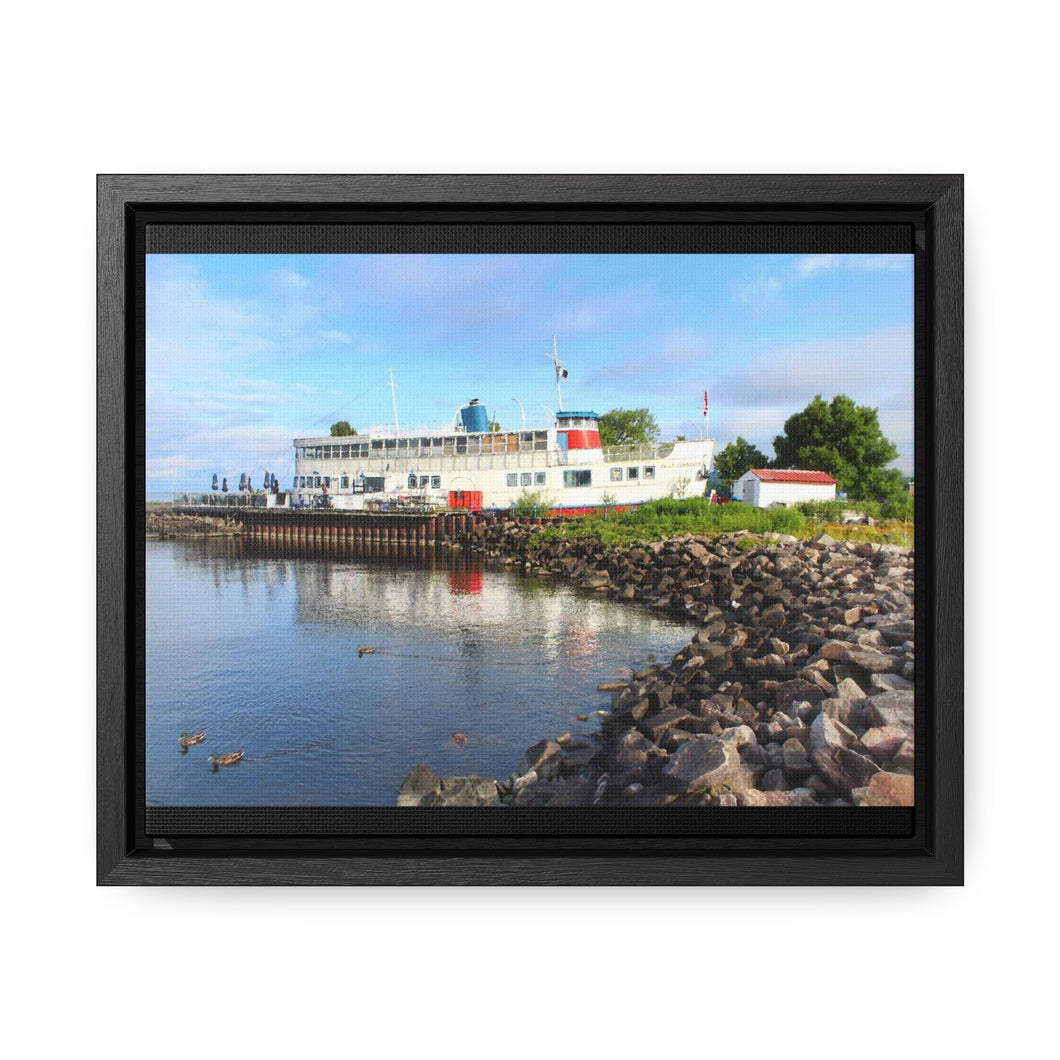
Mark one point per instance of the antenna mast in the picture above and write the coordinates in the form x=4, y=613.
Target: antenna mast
x=561, y=372
x=393, y=398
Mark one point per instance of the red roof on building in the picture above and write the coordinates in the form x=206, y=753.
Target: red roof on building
x=814, y=478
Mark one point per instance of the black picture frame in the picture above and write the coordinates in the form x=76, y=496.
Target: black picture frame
x=934, y=203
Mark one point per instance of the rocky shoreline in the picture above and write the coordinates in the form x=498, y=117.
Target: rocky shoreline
x=165, y=525
x=795, y=690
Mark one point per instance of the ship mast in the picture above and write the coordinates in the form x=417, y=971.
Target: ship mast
x=393, y=398
x=561, y=372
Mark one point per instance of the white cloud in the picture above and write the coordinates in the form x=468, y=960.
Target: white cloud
x=763, y=289
x=429, y=275
x=876, y=370
x=655, y=360
x=812, y=265
x=876, y=364
x=815, y=264
x=173, y=466
x=189, y=328
x=290, y=278
x=605, y=311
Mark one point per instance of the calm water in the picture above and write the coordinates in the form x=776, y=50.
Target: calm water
x=261, y=652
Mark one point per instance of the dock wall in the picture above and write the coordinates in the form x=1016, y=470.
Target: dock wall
x=282, y=529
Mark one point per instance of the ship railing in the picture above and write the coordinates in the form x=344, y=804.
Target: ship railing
x=258, y=499
x=406, y=505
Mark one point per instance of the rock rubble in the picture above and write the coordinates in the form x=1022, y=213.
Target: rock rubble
x=163, y=525
x=796, y=689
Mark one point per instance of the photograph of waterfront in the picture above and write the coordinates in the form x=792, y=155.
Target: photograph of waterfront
x=529, y=530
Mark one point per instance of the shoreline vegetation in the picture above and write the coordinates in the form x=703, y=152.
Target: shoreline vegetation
x=797, y=688
x=651, y=522
x=670, y=517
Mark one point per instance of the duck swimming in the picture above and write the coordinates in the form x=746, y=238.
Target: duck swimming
x=229, y=759
x=187, y=741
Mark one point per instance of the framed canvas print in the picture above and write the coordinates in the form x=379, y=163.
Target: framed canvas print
x=530, y=529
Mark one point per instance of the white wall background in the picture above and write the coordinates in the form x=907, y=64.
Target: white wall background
x=552, y=87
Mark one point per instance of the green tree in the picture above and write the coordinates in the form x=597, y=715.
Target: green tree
x=342, y=429
x=844, y=440
x=627, y=427
x=736, y=459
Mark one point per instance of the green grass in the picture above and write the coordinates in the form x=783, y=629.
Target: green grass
x=670, y=517
x=888, y=532
x=898, y=507
x=532, y=503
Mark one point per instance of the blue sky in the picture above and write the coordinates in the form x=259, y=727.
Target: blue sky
x=246, y=352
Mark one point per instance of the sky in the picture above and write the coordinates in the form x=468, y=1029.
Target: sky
x=246, y=352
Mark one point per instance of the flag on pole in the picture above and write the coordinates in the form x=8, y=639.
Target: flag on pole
x=704, y=402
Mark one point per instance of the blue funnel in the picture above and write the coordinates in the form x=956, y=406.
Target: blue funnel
x=474, y=417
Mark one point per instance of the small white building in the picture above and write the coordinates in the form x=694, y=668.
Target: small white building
x=764, y=487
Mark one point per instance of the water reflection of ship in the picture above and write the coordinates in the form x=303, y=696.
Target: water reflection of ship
x=382, y=585
x=581, y=641
x=489, y=609
x=465, y=582
x=230, y=561
x=453, y=591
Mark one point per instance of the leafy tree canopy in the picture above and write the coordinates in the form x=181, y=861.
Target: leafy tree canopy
x=736, y=459
x=844, y=440
x=342, y=429
x=627, y=427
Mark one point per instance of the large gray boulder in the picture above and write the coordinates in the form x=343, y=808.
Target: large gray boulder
x=670, y=718
x=421, y=783
x=753, y=797
x=543, y=758
x=843, y=768
x=827, y=732
x=883, y=742
x=893, y=710
x=702, y=764
x=891, y=683
x=875, y=662
x=466, y=791
x=848, y=689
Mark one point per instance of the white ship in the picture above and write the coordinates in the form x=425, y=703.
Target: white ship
x=558, y=468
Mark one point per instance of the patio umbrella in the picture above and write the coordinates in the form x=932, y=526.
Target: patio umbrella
x=213, y=485
x=224, y=485
x=242, y=483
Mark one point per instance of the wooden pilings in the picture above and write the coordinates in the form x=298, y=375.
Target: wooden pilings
x=284, y=529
